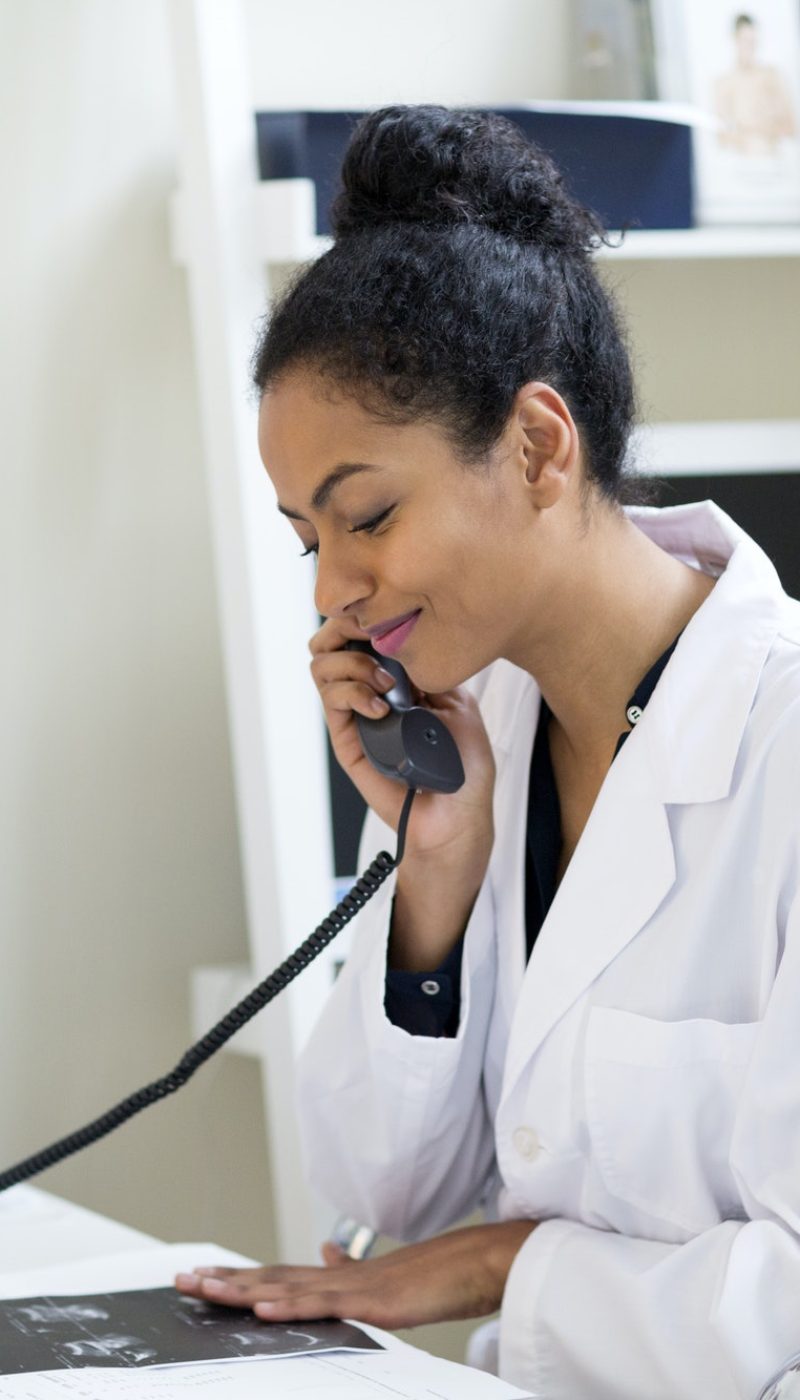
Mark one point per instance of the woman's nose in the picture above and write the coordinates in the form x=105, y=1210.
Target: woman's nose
x=338, y=586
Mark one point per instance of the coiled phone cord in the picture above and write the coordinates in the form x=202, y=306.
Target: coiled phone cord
x=197, y=1054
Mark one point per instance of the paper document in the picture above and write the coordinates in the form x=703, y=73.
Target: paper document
x=382, y=1376
x=152, y=1327
x=400, y=1372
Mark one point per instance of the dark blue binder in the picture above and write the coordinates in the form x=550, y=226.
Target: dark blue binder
x=631, y=170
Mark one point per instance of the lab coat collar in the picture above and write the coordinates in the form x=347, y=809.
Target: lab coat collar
x=683, y=750
x=693, y=725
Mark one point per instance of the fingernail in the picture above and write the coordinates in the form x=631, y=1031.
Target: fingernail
x=186, y=1280
x=261, y=1308
x=214, y=1285
x=384, y=677
x=379, y=706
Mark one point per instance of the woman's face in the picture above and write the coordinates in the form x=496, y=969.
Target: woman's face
x=410, y=529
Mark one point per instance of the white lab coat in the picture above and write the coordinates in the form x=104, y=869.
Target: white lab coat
x=636, y=1088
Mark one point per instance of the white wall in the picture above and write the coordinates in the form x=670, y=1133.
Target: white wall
x=361, y=53
x=120, y=866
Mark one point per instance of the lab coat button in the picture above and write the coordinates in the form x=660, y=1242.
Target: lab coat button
x=430, y=988
x=526, y=1142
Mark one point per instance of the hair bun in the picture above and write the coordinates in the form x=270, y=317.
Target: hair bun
x=438, y=166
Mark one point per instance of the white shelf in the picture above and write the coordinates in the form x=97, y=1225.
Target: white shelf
x=640, y=245
x=778, y=241
x=650, y=245
x=649, y=109
x=718, y=448
x=284, y=219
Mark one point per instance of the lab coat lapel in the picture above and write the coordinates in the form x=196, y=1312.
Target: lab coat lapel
x=621, y=870
x=683, y=751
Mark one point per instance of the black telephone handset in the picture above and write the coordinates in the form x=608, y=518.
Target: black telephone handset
x=409, y=743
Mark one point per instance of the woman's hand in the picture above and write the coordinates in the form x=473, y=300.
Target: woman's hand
x=457, y=1275
x=452, y=827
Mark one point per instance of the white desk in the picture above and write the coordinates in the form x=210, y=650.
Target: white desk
x=37, y=1228
x=43, y=1238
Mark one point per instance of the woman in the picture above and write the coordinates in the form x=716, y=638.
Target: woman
x=446, y=403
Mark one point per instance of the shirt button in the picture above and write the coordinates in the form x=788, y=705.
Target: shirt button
x=526, y=1142
x=430, y=988
x=633, y=714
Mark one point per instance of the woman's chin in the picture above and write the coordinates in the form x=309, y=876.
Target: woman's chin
x=436, y=679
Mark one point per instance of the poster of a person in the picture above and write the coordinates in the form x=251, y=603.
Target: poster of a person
x=752, y=99
x=744, y=69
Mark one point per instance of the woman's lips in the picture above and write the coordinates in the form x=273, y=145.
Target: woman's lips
x=388, y=643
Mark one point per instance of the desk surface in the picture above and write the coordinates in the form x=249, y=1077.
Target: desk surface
x=37, y=1228
x=40, y=1232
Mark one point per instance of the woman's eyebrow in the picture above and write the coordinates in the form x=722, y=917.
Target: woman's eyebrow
x=322, y=492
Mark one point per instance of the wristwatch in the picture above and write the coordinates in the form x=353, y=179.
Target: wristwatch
x=355, y=1239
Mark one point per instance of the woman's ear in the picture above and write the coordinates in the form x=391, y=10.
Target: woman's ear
x=548, y=441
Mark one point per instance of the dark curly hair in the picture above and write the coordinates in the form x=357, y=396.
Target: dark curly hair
x=461, y=269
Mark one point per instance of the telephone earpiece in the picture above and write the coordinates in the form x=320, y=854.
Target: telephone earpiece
x=409, y=744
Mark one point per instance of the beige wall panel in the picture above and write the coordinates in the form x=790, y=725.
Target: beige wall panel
x=713, y=339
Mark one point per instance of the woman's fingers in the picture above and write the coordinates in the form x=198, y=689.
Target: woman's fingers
x=349, y=665
x=282, y=1284
x=346, y=696
x=333, y=1254
x=298, y=1298
x=232, y=1286
x=457, y=1275
x=334, y=634
x=323, y=1304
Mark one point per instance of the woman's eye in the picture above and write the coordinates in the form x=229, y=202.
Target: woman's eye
x=366, y=525
x=370, y=525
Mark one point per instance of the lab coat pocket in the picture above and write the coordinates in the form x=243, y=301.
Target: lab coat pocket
x=661, y=1102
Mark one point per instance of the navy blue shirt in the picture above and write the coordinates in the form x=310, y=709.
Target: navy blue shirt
x=428, y=1003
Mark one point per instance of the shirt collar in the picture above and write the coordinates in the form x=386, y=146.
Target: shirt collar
x=636, y=705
